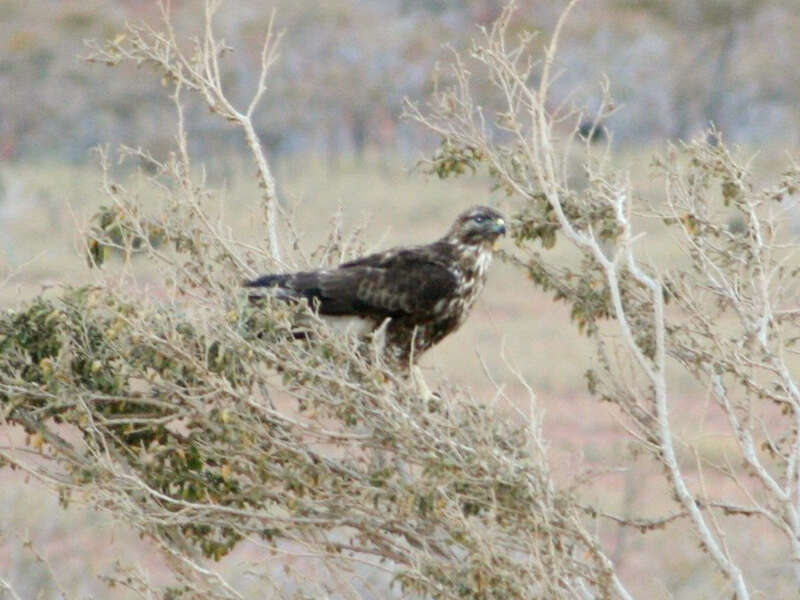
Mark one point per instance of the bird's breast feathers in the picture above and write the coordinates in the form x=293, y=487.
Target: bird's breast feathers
x=474, y=264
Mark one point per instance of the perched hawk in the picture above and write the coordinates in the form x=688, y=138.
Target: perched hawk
x=417, y=294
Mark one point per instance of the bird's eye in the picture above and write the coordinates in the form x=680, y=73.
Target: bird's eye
x=479, y=218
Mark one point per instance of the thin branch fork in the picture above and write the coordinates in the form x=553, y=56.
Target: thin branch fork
x=202, y=73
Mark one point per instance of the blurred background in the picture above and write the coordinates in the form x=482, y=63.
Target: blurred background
x=332, y=129
x=346, y=66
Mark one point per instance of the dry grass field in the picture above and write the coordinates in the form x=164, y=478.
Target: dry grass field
x=515, y=327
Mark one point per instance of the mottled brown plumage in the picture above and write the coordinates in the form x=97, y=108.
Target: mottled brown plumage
x=425, y=292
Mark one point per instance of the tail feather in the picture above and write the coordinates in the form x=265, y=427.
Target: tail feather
x=267, y=281
x=275, y=285
x=289, y=287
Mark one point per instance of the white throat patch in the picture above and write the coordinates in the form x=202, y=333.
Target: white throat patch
x=483, y=262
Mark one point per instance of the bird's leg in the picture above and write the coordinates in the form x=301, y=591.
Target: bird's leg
x=379, y=341
x=415, y=372
x=424, y=391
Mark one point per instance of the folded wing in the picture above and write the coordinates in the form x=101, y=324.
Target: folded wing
x=403, y=282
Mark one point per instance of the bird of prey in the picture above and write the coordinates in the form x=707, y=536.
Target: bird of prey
x=413, y=295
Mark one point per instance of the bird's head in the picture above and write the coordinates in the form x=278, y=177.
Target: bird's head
x=480, y=225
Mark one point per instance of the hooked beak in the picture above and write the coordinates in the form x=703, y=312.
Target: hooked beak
x=499, y=227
